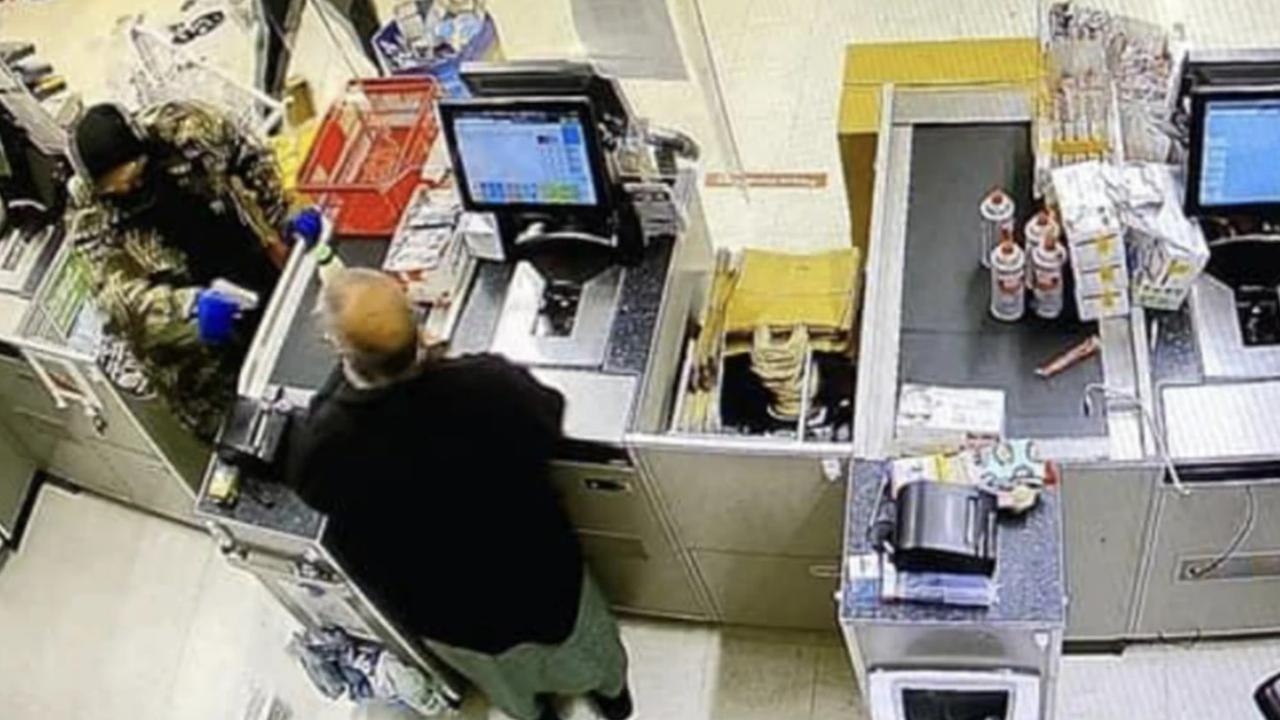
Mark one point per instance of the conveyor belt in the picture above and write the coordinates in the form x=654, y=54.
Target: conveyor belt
x=306, y=360
x=948, y=335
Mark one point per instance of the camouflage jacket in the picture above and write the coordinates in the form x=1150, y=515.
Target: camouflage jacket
x=144, y=285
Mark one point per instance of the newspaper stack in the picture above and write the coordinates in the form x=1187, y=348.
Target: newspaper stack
x=937, y=419
x=425, y=253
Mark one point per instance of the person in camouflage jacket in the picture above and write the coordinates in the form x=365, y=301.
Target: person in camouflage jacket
x=183, y=198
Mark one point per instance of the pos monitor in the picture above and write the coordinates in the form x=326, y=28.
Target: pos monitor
x=530, y=160
x=1233, y=167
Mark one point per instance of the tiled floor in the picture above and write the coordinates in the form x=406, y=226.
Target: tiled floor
x=107, y=614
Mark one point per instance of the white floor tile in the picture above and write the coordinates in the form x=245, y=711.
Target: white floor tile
x=94, y=609
x=763, y=676
x=670, y=668
x=835, y=693
x=1176, y=681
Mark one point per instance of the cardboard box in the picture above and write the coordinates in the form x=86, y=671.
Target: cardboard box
x=870, y=66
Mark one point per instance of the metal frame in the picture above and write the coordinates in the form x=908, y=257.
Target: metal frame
x=882, y=304
x=1124, y=355
x=264, y=351
x=1134, y=424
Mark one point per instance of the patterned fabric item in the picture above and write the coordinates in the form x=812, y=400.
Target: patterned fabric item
x=592, y=659
x=143, y=281
x=211, y=159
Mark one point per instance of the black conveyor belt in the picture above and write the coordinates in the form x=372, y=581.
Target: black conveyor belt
x=948, y=334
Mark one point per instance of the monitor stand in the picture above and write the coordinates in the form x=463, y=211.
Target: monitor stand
x=530, y=228
x=528, y=233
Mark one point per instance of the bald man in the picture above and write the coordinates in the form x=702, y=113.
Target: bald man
x=434, y=475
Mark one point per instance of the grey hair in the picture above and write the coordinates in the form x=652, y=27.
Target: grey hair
x=371, y=366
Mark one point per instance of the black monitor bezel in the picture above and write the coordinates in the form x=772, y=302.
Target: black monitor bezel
x=450, y=109
x=1200, y=100
x=548, y=79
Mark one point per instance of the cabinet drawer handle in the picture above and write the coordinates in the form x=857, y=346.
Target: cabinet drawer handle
x=825, y=572
x=606, y=486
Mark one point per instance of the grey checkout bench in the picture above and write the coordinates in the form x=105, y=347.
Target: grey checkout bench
x=60, y=412
x=926, y=321
x=1015, y=645
x=625, y=537
x=1133, y=539
x=733, y=529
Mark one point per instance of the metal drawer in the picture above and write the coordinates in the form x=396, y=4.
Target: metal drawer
x=241, y=534
x=784, y=592
x=17, y=472
x=639, y=576
x=80, y=462
x=38, y=432
x=21, y=386
x=24, y=389
x=962, y=646
x=117, y=426
x=1104, y=512
x=736, y=501
x=603, y=497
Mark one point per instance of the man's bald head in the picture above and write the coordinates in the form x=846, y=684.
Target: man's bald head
x=368, y=316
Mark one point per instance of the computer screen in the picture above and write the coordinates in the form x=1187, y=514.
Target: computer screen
x=523, y=155
x=1240, y=156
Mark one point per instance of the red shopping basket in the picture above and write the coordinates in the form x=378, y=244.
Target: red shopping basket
x=369, y=152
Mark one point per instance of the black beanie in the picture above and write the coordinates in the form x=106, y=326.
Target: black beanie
x=105, y=140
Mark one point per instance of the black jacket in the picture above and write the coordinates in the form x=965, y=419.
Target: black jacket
x=439, y=502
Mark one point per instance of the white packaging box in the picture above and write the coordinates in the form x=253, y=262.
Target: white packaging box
x=480, y=232
x=1104, y=305
x=1101, y=280
x=1097, y=252
x=1168, y=249
x=1085, y=204
x=1165, y=270
x=1094, y=230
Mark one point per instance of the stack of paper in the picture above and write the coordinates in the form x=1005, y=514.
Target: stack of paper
x=937, y=419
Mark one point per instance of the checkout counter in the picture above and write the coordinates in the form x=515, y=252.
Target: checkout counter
x=761, y=529
x=60, y=412
x=1158, y=527
x=735, y=529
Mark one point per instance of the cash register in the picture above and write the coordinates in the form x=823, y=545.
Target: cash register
x=1233, y=190
x=540, y=147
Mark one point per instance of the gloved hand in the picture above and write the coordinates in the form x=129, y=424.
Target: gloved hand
x=215, y=316
x=305, y=226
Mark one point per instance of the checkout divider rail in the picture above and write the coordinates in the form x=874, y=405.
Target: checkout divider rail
x=264, y=352
x=877, y=379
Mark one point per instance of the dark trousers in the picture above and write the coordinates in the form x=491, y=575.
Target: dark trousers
x=282, y=18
